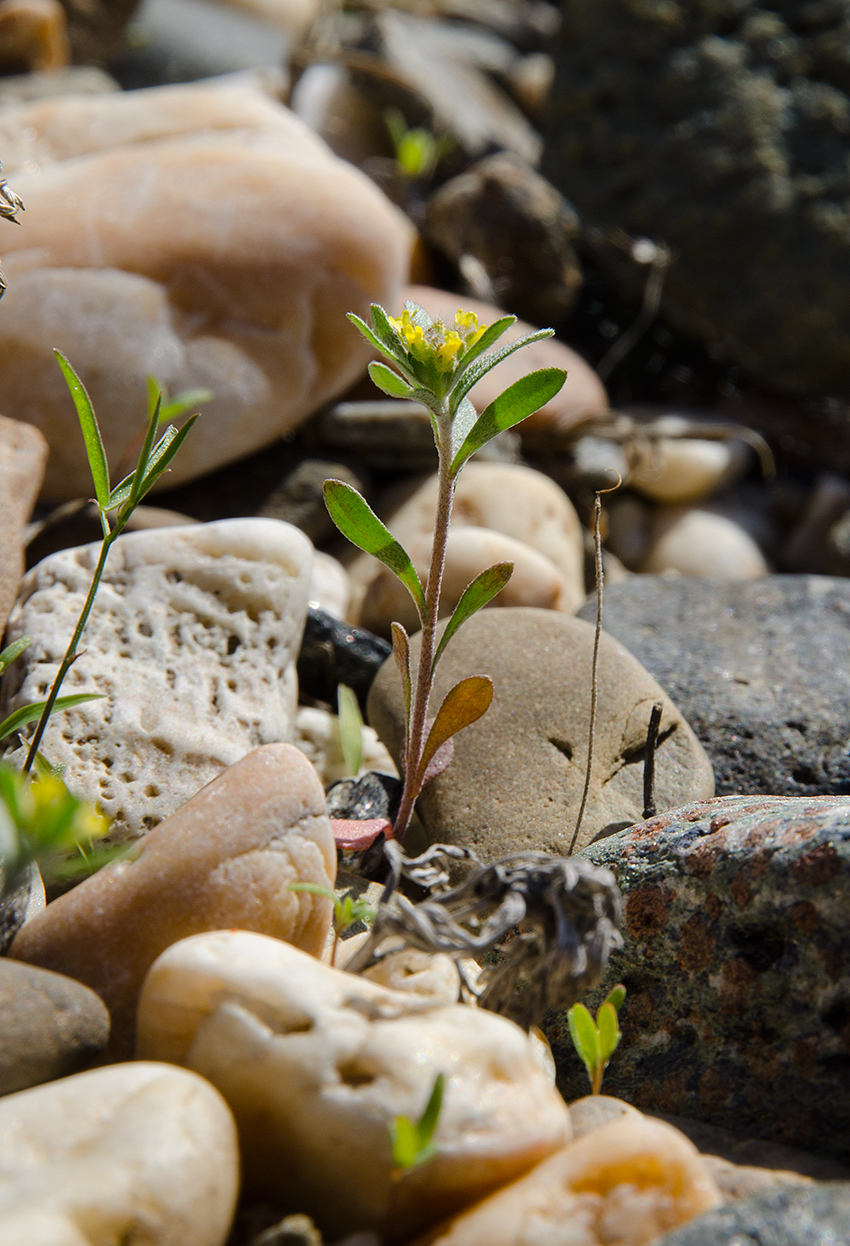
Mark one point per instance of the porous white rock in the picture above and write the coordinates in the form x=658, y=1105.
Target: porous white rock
x=192, y=642
x=699, y=542
x=132, y=1153
x=200, y=234
x=626, y=1183
x=316, y=1064
x=514, y=501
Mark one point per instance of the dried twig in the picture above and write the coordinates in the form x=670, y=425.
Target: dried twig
x=649, y=809
x=658, y=257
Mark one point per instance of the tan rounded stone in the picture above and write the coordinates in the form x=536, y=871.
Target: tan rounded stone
x=317, y=1064
x=134, y=1153
x=516, y=777
x=686, y=469
x=227, y=858
x=228, y=263
x=33, y=36
x=594, y=1111
x=583, y=395
x=23, y=454
x=627, y=1183
x=698, y=542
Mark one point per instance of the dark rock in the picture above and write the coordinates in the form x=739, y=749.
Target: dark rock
x=519, y=228
x=299, y=498
x=334, y=653
x=52, y=1026
x=811, y=1216
x=721, y=130
x=516, y=777
x=760, y=669
x=26, y=896
x=737, y=964
x=373, y=795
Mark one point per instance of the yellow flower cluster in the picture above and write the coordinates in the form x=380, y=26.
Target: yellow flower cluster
x=437, y=344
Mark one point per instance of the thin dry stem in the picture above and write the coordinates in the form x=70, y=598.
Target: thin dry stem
x=594, y=682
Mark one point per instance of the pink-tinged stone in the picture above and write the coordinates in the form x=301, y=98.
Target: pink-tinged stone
x=355, y=835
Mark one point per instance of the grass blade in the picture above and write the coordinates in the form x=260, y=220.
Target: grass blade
x=91, y=432
x=13, y=651
x=29, y=713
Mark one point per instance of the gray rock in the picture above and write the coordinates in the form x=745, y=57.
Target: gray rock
x=516, y=778
x=373, y=795
x=760, y=669
x=334, y=653
x=52, y=1026
x=787, y=1217
x=720, y=129
x=737, y=964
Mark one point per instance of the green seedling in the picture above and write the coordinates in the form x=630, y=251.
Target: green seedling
x=597, y=1041
x=412, y=1140
x=417, y=151
x=115, y=506
x=437, y=365
x=348, y=911
x=39, y=820
x=350, y=729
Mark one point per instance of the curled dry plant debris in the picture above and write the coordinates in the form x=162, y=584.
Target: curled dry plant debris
x=10, y=205
x=567, y=911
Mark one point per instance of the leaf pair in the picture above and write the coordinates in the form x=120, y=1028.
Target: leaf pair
x=412, y=1140
x=597, y=1041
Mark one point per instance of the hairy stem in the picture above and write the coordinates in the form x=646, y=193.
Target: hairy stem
x=416, y=727
x=70, y=654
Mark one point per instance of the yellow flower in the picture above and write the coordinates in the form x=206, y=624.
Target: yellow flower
x=437, y=344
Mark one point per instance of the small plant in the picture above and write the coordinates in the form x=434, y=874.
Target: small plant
x=348, y=911
x=118, y=502
x=437, y=365
x=412, y=1140
x=29, y=713
x=597, y=1041
x=350, y=729
x=40, y=819
x=417, y=151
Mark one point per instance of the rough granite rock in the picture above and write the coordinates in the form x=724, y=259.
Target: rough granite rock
x=132, y=1153
x=720, y=128
x=226, y=859
x=198, y=233
x=516, y=777
x=737, y=964
x=52, y=1026
x=761, y=671
x=814, y=1216
x=192, y=642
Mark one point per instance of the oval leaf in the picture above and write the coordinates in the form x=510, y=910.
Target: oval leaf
x=609, y=1032
x=91, y=432
x=584, y=1036
x=616, y=997
x=519, y=400
x=388, y=381
x=482, y=589
x=463, y=705
x=401, y=653
x=356, y=520
x=29, y=713
x=14, y=650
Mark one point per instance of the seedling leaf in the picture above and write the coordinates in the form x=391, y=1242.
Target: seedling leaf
x=388, y=381
x=350, y=728
x=411, y=1143
x=609, y=1032
x=584, y=1036
x=463, y=705
x=29, y=713
x=14, y=650
x=91, y=432
x=357, y=521
x=483, y=588
x=519, y=400
x=616, y=997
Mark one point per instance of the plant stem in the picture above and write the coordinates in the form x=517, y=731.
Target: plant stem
x=70, y=654
x=416, y=734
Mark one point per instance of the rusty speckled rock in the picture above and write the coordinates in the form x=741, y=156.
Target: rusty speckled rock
x=737, y=964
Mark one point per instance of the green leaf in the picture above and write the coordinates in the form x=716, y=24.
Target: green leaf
x=431, y=1115
x=144, y=458
x=29, y=713
x=463, y=705
x=483, y=365
x=405, y=1142
x=488, y=338
x=14, y=650
x=584, y=1036
x=519, y=400
x=609, y=1032
x=161, y=456
x=366, y=332
x=357, y=521
x=314, y=889
x=183, y=401
x=616, y=997
x=483, y=588
x=389, y=382
x=350, y=728
x=401, y=653
x=91, y=432
x=411, y=1142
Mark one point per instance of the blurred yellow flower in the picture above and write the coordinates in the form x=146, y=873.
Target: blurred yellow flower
x=437, y=344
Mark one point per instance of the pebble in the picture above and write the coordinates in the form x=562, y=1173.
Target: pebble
x=334, y=653
x=540, y=516
x=23, y=454
x=687, y=469
x=52, y=1026
x=535, y=580
x=581, y=398
x=736, y=964
x=628, y=1182
x=316, y=1065
x=330, y=587
x=785, y=1217
x=133, y=1153
x=197, y=277
x=226, y=859
x=299, y=497
x=192, y=641
x=33, y=36
x=699, y=542
x=516, y=777
x=758, y=668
